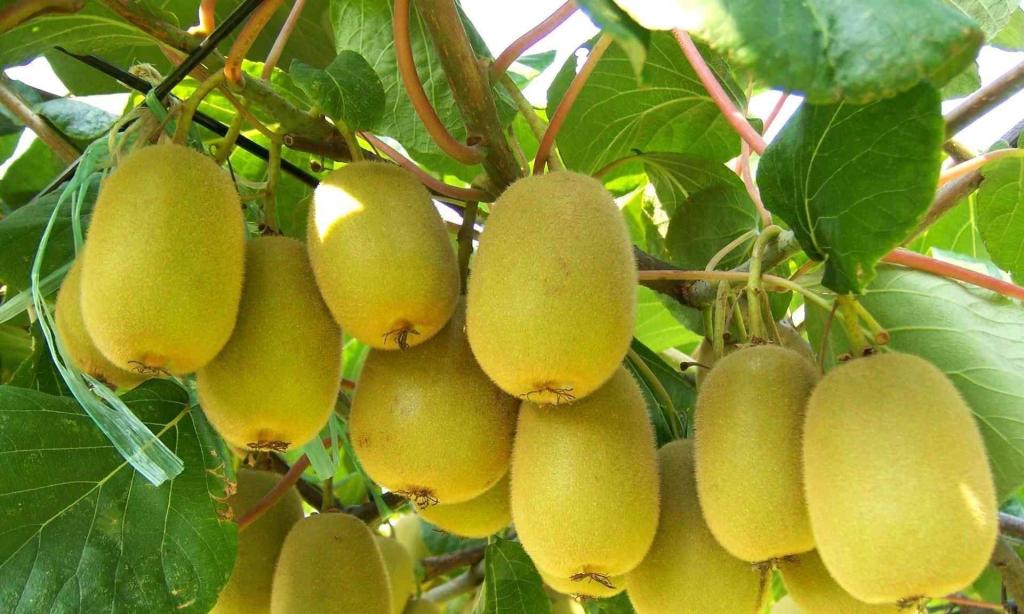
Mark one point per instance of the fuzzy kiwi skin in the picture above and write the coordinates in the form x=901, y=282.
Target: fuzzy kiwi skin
x=401, y=571
x=75, y=338
x=816, y=592
x=421, y=606
x=585, y=587
x=275, y=383
x=786, y=605
x=248, y=589
x=585, y=482
x=163, y=264
x=899, y=488
x=408, y=531
x=426, y=421
x=381, y=255
x=789, y=337
x=538, y=324
x=686, y=570
x=481, y=516
x=750, y=412
x=330, y=563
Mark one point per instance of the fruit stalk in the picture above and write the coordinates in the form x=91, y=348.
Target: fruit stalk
x=434, y=566
x=189, y=108
x=287, y=481
x=757, y=329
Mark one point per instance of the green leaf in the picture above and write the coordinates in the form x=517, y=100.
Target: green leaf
x=709, y=207
x=365, y=26
x=615, y=114
x=439, y=541
x=511, y=583
x=8, y=143
x=1000, y=213
x=991, y=15
x=30, y=173
x=956, y=231
x=963, y=84
x=84, y=532
x=21, y=231
x=613, y=21
x=832, y=50
x=679, y=391
x=39, y=372
x=852, y=181
x=1011, y=38
x=79, y=121
x=974, y=336
x=15, y=350
x=618, y=604
x=347, y=91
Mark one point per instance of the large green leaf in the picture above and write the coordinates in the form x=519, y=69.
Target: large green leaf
x=709, y=207
x=667, y=109
x=348, y=90
x=831, y=50
x=83, y=532
x=511, y=583
x=852, y=181
x=618, y=604
x=956, y=231
x=31, y=172
x=79, y=121
x=991, y=15
x=613, y=21
x=680, y=392
x=1011, y=38
x=1000, y=214
x=975, y=336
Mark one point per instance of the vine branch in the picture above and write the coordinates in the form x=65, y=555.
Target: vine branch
x=921, y=262
x=457, y=586
x=21, y=11
x=10, y=100
x=434, y=566
x=985, y=99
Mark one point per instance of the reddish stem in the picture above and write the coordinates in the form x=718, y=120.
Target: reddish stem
x=433, y=183
x=984, y=605
x=530, y=38
x=714, y=88
x=287, y=481
x=414, y=89
x=781, y=102
x=920, y=262
x=246, y=37
x=282, y=38
x=565, y=104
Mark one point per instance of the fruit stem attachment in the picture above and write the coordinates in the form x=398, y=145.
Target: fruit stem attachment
x=878, y=332
x=189, y=108
x=465, y=154
x=531, y=38
x=741, y=328
x=246, y=37
x=851, y=322
x=668, y=408
x=547, y=142
x=757, y=328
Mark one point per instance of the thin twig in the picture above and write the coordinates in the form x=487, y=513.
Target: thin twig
x=567, y=101
x=462, y=152
x=985, y=99
x=1011, y=526
x=457, y=586
x=246, y=37
x=10, y=100
x=21, y=11
x=536, y=123
x=282, y=38
x=1011, y=568
x=432, y=183
x=531, y=38
x=287, y=481
x=714, y=88
x=434, y=566
x=973, y=603
x=921, y=262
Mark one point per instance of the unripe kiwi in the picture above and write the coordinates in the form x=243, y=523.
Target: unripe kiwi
x=162, y=267
x=585, y=483
x=408, y=531
x=76, y=341
x=421, y=606
x=381, y=255
x=749, y=416
x=539, y=324
x=816, y=592
x=481, y=516
x=275, y=383
x=686, y=570
x=899, y=488
x=330, y=563
x=427, y=422
x=248, y=589
x=401, y=571
x=599, y=588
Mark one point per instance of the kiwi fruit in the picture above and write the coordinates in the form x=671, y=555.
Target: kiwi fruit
x=275, y=383
x=584, y=485
x=890, y=446
x=381, y=255
x=750, y=412
x=427, y=423
x=481, y=516
x=686, y=570
x=789, y=337
x=248, y=589
x=330, y=563
x=401, y=571
x=786, y=605
x=539, y=324
x=421, y=606
x=162, y=267
x=408, y=531
x=598, y=588
x=816, y=592
x=75, y=340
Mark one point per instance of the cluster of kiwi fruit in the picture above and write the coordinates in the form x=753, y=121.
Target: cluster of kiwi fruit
x=868, y=488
